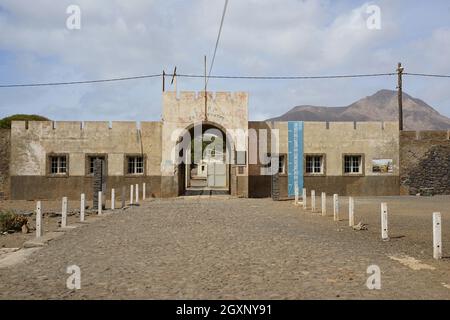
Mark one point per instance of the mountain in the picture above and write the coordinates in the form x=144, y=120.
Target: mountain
x=382, y=106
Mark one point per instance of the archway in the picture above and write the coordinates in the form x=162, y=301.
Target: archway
x=206, y=152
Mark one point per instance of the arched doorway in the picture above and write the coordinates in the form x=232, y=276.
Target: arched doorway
x=205, y=167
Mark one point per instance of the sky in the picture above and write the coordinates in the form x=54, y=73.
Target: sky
x=121, y=38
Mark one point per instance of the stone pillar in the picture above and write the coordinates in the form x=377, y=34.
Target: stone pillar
x=336, y=207
x=38, y=220
x=82, y=207
x=384, y=222
x=64, y=213
x=351, y=211
x=437, y=236
x=324, y=204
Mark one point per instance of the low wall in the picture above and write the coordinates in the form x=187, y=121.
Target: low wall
x=424, y=161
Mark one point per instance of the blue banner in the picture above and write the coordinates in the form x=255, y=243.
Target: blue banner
x=295, y=160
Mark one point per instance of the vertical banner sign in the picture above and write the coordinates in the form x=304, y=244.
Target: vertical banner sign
x=295, y=161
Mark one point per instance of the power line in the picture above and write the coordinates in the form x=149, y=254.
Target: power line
x=288, y=77
x=427, y=75
x=217, y=41
x=78, y=82
x=222, y=77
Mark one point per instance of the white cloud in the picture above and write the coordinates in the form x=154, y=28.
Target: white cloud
x=133, y=37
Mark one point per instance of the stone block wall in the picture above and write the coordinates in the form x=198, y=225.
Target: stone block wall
x=5, y=152
x=424, y=162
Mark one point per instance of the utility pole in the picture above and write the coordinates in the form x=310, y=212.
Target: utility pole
x=164, y=81
x=400, y=96
x=206, y=95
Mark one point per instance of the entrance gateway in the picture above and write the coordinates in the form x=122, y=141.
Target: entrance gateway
x=211, y=166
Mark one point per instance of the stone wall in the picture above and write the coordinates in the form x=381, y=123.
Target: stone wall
x=31, y=144
x=424, y=162
x=5, y=149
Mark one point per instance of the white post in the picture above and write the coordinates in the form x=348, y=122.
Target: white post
x=437, y=236
x=100, y=203
x=113, y=199
x=384, y=221
x=131, y=194
x=324, y=204
x=296, y=195
x=351, y=212
x=64, y=213
x=143, y=191
x=313, y=201
x=336, y=207
x=137, y=193
x=38, y=220
x=304, y=198
x=82, y=207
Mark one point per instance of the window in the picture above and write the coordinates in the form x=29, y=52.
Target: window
x=58, y=164
x=135, y=164
x=353, y=164
x=281, y=164
x=91, y=160
x=314, y=164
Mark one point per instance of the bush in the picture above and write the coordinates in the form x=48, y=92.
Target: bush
x=5, y=123
x=11, y=221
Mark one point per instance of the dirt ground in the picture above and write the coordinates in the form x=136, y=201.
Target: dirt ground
x=51, y=218
x=229, y=248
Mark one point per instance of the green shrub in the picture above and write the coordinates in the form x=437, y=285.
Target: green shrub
x=5, y=123
x=11, y=221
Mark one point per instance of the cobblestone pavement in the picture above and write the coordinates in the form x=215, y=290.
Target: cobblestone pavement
x=227, y=248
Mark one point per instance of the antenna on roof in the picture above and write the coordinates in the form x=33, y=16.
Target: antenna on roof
x=174, y=78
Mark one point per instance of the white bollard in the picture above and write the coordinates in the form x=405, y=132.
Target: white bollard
x=296, y=195
x=137, y=193
x=437, y=235
x=336, y=207
x=100, y=203
x=143, y=192
x=313, y=201
x=64, y=213
x=113, y=199
x=351, y=212
x=384, y=222
x=131, y=194
x=38, y=220
x=324, y=203
x=304, y=198
x=82, y=206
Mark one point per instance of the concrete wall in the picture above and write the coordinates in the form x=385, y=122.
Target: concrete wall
x=229, y=111
x=373, y=140
x=425, y=161
x=31, y=145
x=5, y=149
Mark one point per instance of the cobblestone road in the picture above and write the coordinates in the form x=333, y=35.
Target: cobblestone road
x=223, y=248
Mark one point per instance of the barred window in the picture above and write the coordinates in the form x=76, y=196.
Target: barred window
x=314, y=164
x=58, y=164
x=352, y=164
x=135, y=165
